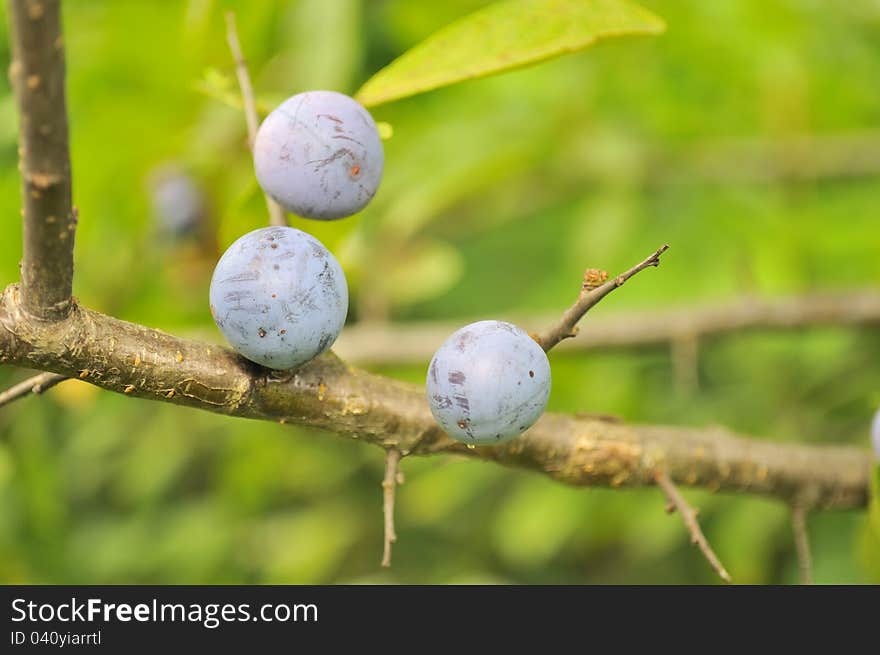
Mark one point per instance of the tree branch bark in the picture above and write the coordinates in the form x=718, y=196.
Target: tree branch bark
x=412, y=342
x=326, y=393
x=37, y=74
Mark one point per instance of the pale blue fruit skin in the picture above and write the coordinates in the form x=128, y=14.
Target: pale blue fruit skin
x=875, y=435
x=319, y=155
x=488, y=383
x=279, y=297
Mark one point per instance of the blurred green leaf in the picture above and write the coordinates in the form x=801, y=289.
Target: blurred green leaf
x=8, y=122
x=743, y=538
x=461, y=481
x=503, y=36
x=325, y=44
x=869, y=544
x=874, y=502
x=424, y=270
x=869, y=552
x=535, y=521
x=833, y=534
x=297, y=546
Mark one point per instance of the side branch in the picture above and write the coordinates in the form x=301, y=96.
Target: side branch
x=37, y=74
x=326, y=393
x=589, y=297
x=689, y=516
x=35, y=385
x=413, y=342
x=389, y=487
x=802, y=543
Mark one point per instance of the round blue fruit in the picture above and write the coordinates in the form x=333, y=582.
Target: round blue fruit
x=488, y=382
x=279, y=297
x=319, y=155
x=178, y=203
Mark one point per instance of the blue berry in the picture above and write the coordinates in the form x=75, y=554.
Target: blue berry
x=488, y=382
x=178, y=203
x=319, y=155
x=279, y=297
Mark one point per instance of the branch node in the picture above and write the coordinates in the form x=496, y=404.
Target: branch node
x=593, y=278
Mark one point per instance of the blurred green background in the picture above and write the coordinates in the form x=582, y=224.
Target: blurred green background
x=497, y=194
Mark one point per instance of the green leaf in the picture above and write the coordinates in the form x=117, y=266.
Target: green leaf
x=424, y=270
x=534, y=523
x=318, y=62
x=503, y=36
x=874, y=501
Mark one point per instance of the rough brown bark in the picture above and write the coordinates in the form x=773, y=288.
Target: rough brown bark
x=326, y=393
x=37, y=74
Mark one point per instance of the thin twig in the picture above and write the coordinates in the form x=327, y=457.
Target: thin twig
x=802, y=543
x=389, y=485
x=589, y=297
x=415, y=341
x=276, y=213
x=689, y=516
x=36, y=385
